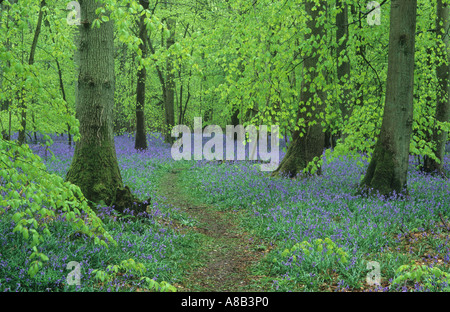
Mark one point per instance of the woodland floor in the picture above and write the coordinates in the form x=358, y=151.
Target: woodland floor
x=228, y=251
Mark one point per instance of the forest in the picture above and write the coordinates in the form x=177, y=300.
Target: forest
x=224, y=146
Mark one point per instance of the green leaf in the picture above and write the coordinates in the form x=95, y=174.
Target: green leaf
x=25, y=233
x=43, y=257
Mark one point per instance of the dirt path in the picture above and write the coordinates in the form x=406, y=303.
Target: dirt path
x=228, y=251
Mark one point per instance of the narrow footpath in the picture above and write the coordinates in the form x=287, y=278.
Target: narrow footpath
x=228, y=250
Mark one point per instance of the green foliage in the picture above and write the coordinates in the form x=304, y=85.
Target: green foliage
x=32, y=195
x=313, y=165
x=228, y=56
x=433, y=278
x=307, y=264
x=312, y=250
x=161, y=287
x=138, y=269
x=222, y=66
x=23, y=84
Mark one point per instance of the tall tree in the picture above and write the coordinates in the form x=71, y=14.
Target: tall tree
x=182, y=108
x=94, y=166
x=61, y=85
x=342, y=71
x=309, y=143
x=23, y=122
x=343, y=64
x=141, y=138
x=169, y=100
x=388, y=168
x=5, y=103
x=443, y=99
x=360, y=51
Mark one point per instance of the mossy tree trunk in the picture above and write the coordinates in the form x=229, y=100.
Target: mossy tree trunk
x=443, y=98
x=388, y=168
x=94, y=166
x=141, y=137
x=309, y=143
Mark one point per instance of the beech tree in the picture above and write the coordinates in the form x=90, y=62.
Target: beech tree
x=169, y=100
x=31, y=57
x=255, y=62
x=308, y=142
x=442, y=114
x=94, y=166
x=141, y=138
x=388, y=168
x=343, y=63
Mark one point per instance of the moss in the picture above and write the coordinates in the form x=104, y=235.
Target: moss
x=126, y=200
x=381, y=174
x=95, y=170
x=99, y=188
x=293, y=162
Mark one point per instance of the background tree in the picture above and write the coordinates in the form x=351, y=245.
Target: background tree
x=442, y=113
x=141, y=137
x=169, y=101
x=31, y=58
x=387, y=171
x=343, y=63
x=239, y=60
x=308, y=143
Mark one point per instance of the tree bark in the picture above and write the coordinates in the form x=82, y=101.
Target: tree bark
x=94, y=166
x=310, y=144
x=4, y=104
x=343, y=74
x=170, y=85
x=61, y=84
x=141, y=137
x=360, y=51
x=443, y=99
x=22, y=139
x=343, y=66
x=388, y=168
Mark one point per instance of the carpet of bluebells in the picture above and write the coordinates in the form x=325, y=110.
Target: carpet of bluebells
x=286, y=212
x=145, y=241
x=319, y=235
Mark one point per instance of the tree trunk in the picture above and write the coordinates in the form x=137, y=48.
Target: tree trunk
x=170, y=85
x=63, y=92
x=94, y=166
x=310, y=144
x=61, y=85
x=388, y=168
x=343, y=65
x=443, y=99
x=5, y=104
x=23, y=121
x=426, y=165
x=360, y=50
x=141, y=137
x=119, y=123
